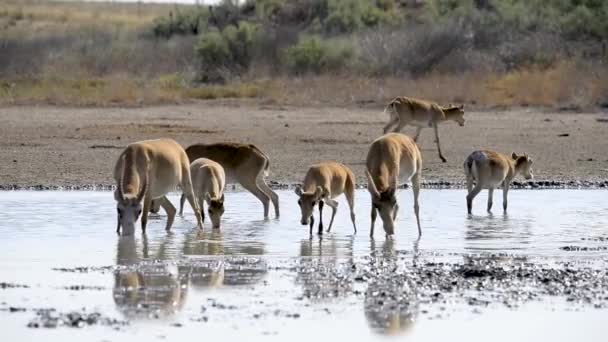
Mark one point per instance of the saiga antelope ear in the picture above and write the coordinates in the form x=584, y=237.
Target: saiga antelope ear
x=298, y=190
x=222, y=199
x=514, y=155
x=461, y=106
x=207, y=197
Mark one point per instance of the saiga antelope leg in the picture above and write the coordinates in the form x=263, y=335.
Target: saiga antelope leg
x=418, y=130
x=169, y=209
x=334, y=208
x=270, y=193
x=416, y=191
x=252, y=186
x=438, y=143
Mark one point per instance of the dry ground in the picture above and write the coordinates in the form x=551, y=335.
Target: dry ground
x=78, y=146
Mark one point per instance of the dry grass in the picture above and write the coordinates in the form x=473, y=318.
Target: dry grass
x=74, y=13
x=567, y=84
x=93, y=54
x=116, y=91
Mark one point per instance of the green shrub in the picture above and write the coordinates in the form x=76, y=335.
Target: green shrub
x=229, y=51
x=352, y=15
x=183, y=23
x=314, y=55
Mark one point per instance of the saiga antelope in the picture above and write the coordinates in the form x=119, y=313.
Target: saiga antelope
x=243, y=164
x=489, y=169
x=324, y=182
x=148, y=170
x=414, y=112
x=208, y=182
x=392, y=157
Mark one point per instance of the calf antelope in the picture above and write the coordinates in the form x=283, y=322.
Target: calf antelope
x=414, y=112
x=148, y=170
x=489, y=169
x=243, y=164
x=390, y=157
x=208, y=181
x=324, y=182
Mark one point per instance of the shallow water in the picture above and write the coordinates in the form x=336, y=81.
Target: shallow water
x=267, y=278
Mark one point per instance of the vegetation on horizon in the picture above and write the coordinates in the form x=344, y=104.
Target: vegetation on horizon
x=490, y=52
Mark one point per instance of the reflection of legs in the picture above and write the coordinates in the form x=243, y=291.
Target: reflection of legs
x=374, y=215
x=472, y=195
x=416, y=191
x=334, y=208
x=273, y=195
x=169, y=209
x=253, y=187
x=490, y=197
x=321, y=203
x=505, y=191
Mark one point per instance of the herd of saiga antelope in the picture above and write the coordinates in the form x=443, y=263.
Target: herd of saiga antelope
x=147, y=171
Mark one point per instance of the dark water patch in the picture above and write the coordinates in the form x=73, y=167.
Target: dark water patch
x=83, y=288
x=84, y=269
x=106, y=147
x=583, y=248
x=50, y=319
x=4, y=285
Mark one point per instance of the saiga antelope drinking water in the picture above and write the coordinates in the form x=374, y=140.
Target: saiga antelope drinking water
x=148, y=170
x=324, y=182
x=414, y=112
x=489, y=169
x=243, y=164
x=208, y=181
x=390, y=157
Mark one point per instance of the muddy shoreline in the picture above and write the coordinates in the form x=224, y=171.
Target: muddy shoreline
x=441, y=185
x=53, y=147
x=408, y=285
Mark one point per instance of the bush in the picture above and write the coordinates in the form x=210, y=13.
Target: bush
x=314, y=55
x=221, y=54
x=409, y=50
x=351, y=15
x=182, y=23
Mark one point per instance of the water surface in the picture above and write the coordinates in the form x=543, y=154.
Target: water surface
x=263, y=279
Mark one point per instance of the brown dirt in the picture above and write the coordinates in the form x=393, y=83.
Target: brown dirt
x=78, y=146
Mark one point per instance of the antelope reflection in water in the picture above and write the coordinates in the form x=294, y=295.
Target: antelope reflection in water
x=147, y=289
x=391, y=301
x=320, y=272
x=207, y=271
x=497, y=233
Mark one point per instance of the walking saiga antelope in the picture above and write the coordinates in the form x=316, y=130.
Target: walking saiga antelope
x=391, y=157
x=243, y=164
x=208, y=182
x=414, y=112
x=489, y=169
x=324, y=182
x=148, y=170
